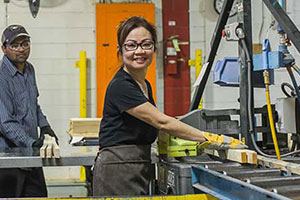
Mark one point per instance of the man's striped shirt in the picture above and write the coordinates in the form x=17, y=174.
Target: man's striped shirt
x=20, y=113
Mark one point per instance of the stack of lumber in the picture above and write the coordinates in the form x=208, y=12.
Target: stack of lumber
x=237, y=155
x=50, y=148
x=84, y=127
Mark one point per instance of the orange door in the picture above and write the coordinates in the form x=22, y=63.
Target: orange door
x=108, y=17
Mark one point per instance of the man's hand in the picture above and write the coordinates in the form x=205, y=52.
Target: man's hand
x=217, y=142
x=39, y=142
x=48, y=130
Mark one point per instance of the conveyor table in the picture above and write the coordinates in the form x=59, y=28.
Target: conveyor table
x=28, y=157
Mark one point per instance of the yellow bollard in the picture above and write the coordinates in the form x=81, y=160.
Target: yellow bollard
x=197, y=62
x=81, y=64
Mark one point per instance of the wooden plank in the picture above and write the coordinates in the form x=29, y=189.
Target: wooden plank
x=43, y=150
x=48, y=150
x=84, y=127
x=251, y=157
x=85, y=135
x=237, y=155
x=55, y=149
x=283, y=165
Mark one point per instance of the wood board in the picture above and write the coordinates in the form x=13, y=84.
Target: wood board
x=84, y=127
x=237, y=155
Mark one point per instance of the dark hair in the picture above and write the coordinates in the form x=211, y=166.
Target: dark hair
x=131, y=23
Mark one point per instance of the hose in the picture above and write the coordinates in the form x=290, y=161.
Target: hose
x=283, y=85
x=273, y=131
x=251, y=125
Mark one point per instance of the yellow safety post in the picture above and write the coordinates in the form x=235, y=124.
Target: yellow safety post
x=81, y=64
x=197, y=62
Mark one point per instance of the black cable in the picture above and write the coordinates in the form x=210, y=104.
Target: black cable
x=283, y=85
x=248, y=64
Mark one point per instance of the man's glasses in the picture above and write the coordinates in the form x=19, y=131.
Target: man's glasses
x=17, y=46
x=132, y=45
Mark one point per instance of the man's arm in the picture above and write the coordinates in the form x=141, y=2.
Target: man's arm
x=10, y=127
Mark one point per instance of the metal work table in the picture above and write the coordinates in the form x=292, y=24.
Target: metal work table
x=28, y=157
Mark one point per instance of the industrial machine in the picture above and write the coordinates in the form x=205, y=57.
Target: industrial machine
x=180, y=160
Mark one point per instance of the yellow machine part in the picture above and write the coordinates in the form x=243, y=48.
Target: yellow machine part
x=175, y=147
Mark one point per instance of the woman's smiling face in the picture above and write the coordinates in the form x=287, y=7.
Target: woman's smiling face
x=140, y=58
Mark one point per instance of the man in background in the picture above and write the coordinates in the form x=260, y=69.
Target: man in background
x=20, y=114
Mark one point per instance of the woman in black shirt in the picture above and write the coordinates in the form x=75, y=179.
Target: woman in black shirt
x=130, y=119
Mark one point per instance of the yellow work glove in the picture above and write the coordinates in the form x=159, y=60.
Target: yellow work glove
x=218, y=142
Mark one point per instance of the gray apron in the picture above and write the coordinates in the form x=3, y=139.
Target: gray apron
x=123, y=170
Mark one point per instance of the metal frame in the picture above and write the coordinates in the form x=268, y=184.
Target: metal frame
x=228, y=188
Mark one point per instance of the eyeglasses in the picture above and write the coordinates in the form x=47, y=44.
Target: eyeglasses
x=132, y=45
x=17, y=46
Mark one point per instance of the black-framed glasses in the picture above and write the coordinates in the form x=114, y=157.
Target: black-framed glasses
x=132, y=45
x=17, y=46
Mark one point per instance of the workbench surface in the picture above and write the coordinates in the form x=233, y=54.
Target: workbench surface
x=28, y=157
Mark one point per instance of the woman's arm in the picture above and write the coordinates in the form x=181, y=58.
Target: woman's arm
x=151, y=115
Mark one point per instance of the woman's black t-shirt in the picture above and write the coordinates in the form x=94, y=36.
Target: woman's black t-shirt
x=117, y=126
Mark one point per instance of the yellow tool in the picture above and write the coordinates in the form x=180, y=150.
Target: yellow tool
x=218, y=142
x=175, y=147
